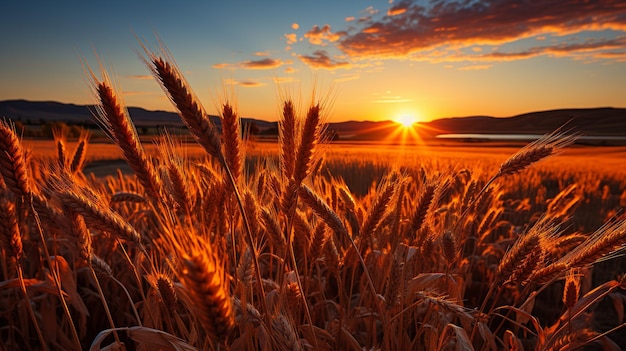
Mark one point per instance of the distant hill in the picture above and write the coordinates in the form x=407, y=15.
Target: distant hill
x=36, y=112
x=604, y=121
x=591, y=121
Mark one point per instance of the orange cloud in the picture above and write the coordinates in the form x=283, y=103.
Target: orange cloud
x=320, y=59
x=411, y=29
x=291, y=38
x=350, y=18
x=396, y=10
x=295, y=26
x=318, y=36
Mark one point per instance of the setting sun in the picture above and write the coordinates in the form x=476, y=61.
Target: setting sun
x=406, y=120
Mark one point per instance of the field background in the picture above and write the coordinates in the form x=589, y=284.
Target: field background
x=305, y=244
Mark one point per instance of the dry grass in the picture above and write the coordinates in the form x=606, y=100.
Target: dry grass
x=289, y=249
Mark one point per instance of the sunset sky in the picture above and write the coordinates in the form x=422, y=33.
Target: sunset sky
x=372, y=60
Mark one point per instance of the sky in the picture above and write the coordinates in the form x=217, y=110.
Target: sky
x=366, y=60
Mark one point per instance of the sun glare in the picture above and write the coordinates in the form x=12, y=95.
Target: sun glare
x=406, y=120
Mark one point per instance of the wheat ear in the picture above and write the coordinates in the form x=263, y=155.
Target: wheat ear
x=12, y=161
x=288, y=138
x=189, y=108
x=60, y=140
x=100, y=217
x=285, y=334
x=10, y=239
x=422, y=205
x=117, y=122
x=547, y=145
x=605, y=241
x=523, y=247
x=212, y=305
x=319, y=206
x=231, y=140
x=308, y=142
x=378, y=209
x=78, y=160
x=318, y=240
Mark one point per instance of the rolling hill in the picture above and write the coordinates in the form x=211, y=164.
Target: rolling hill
x=605, y=121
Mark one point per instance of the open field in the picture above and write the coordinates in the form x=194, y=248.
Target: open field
x=600, y=160
x=302, y=245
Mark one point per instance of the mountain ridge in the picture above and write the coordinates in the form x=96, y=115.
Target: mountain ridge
x=600, y=121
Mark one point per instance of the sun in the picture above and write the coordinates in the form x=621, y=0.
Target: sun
x=406, y=120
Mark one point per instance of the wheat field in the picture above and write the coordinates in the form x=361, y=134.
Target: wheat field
x=299, y=247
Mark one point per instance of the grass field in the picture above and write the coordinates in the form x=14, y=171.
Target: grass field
x=232, y=245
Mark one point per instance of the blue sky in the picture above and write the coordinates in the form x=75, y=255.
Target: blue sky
x=376, y=59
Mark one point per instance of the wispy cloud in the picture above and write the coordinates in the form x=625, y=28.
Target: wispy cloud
x=321, y=59
x=250, y=84
x=388, y=98
x=391, y=100
x=139, y=93
x=244, y=83
x=589, y=48
x=266, y=63
x=475, y=67
x=141, y=77
x=346, y=77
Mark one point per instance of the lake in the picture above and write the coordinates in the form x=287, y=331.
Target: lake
x=523, y=137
